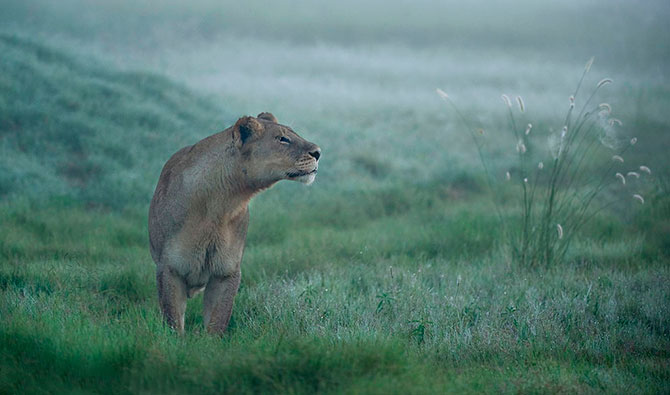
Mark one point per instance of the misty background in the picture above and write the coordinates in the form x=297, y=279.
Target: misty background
x=359, y=78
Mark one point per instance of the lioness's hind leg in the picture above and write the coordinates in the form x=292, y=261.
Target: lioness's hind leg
x=218, y=302
x=171, y=297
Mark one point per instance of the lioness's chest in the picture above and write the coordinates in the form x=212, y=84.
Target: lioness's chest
x=207, y=248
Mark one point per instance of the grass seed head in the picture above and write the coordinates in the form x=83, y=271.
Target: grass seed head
x=540, y=165
x=528, y=128
x=617, y=158
x=633, y=141
x=522, y=106
x=564, y=132
x=634, y=174
x=603, y=82
x=614, y=120
x=559, y=229
x=521, y=147
x=645, y=169
x=507, y=100
x=621, y=177
x=638, y=198
x=442, y=94
x=605, y=107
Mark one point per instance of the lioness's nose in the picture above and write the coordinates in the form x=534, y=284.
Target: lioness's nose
x=316, y=154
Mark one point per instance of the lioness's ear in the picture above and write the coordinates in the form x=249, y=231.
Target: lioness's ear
x=246, y=128
x=268, y=117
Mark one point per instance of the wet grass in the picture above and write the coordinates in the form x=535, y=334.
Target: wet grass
x=417, y=301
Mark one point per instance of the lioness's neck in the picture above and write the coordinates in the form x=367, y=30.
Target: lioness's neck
x=227, y=189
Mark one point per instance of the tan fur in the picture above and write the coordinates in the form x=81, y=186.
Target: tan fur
x=199, y=213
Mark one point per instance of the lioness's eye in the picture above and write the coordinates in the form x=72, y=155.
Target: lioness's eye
x=284, y=140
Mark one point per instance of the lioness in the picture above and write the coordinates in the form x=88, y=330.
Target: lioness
x=200, y=211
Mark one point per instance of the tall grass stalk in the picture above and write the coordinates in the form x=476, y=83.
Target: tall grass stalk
x=560, y=194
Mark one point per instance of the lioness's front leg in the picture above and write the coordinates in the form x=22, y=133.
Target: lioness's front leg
x=171, y=297
x=218, y=302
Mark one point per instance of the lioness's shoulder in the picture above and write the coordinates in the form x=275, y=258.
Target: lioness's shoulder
x=174, y=166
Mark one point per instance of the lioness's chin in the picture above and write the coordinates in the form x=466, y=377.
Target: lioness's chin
x=305, y=179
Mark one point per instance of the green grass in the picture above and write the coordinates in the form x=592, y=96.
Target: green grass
x=80, y=312
x=391, y=273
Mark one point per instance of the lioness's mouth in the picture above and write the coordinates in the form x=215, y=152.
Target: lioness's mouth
x=301, y=173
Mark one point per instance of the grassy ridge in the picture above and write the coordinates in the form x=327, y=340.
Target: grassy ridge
x=75, y=128
x=376, y=286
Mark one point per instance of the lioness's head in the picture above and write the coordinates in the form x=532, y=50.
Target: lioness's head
x=271, y=152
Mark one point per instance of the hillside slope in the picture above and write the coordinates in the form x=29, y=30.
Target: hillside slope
x=72, y=127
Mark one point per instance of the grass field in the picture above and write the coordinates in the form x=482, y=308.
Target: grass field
x=392, y=273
